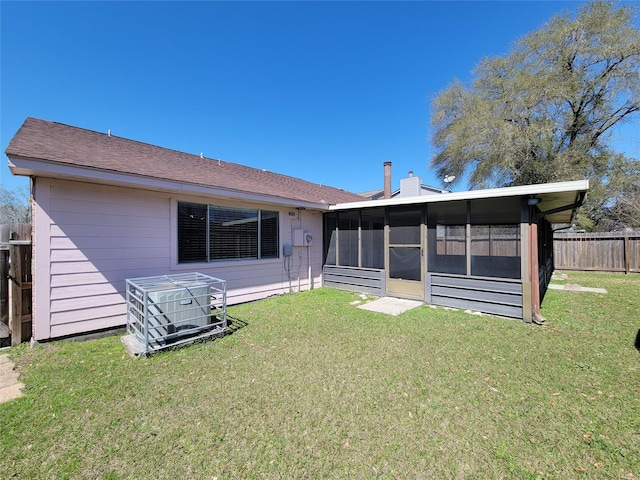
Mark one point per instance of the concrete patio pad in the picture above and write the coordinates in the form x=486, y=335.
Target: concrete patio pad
x=390, y=305
x=10, y=387
x=572, y=287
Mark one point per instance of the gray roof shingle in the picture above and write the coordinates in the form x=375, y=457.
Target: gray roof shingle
x=58, y=143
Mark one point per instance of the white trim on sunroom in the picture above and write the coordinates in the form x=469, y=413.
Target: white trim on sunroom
x=553, y=194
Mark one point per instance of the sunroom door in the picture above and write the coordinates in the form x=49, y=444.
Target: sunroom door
x=405, y=258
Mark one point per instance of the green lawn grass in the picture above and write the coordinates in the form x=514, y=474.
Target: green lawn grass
x=308, y=386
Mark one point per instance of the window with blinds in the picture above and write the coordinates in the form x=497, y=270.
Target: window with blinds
x=192, y=232
x=268, y=234
x=214, y=233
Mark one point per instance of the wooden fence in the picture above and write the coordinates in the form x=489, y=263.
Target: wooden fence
x=599, y=252
x=15, y=283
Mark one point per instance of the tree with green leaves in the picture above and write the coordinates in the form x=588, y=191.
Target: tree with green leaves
x=545, y=111
x=614, y=200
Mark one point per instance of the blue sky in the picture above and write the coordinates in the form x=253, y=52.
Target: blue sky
x=325, y=91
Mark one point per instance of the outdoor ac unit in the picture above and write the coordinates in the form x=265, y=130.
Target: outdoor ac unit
x=178, y=309
x=168, y=310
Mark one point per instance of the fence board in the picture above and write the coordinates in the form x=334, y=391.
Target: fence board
x=600, y=252
x=20, y=321
x=8, y=232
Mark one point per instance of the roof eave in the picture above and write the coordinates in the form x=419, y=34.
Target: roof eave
x=543, y=190
x=565, y=213
x=32, y=167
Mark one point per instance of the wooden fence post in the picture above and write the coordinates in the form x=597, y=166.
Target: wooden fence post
x=4, y=295
x=626, y=252
x=20, y=276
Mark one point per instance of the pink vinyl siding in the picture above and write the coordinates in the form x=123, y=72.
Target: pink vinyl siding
x=98, y=237
x=90, y=238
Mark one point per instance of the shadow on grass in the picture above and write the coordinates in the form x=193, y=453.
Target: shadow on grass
x=233, y=325
x=637, y=344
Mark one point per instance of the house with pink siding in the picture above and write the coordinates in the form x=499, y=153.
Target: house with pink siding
x=107, y=208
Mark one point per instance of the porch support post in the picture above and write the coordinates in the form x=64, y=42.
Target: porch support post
x=525, y=261
x=337, y=238
x=535, y=274
x=360, y=238
x=468, y=238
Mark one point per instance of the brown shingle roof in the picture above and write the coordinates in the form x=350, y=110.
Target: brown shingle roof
x=63, y=144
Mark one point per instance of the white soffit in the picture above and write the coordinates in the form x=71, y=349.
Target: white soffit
x=553, y=195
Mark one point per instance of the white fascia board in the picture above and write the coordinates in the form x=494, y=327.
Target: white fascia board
x=39, y=168
x=522, y=190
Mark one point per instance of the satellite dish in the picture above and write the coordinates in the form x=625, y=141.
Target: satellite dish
x=449, y=178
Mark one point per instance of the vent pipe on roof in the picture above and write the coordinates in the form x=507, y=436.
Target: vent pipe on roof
x=201, y=155
x=387, y=180
x=109, y=133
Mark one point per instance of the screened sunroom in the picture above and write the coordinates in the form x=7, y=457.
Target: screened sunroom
x=484, y=250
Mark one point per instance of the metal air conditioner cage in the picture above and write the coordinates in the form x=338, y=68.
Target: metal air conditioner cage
x=168, y=310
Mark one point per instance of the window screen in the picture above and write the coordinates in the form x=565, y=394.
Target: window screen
x=348, y=238
x=446, y=237
x=405, y=263
x=404, y=227
x=372, y=235
x=495, y=238
x=330, y=241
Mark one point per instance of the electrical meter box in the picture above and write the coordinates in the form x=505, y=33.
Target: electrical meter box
x=298, y=238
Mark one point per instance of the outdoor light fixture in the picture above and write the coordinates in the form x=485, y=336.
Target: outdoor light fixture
x=533, y=201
